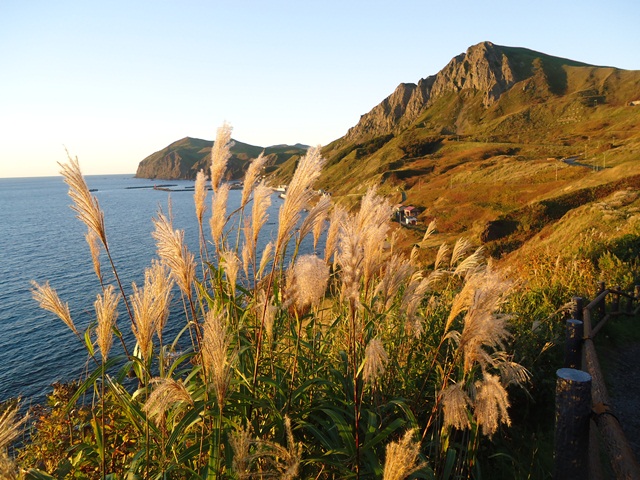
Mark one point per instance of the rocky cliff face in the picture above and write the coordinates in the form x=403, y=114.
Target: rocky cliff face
x=180, y=160
x=484, y=68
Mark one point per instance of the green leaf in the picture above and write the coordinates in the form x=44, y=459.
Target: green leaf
x=35, y=474
x=88, y=342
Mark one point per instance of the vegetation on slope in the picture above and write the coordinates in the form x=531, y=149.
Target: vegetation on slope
x=184, y=158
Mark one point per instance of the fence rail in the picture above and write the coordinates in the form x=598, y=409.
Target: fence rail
x=582, y=400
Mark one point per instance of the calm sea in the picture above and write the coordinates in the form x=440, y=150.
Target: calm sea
x=41, y=240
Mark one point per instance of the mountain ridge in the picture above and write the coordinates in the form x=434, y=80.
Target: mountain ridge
x=483, y=67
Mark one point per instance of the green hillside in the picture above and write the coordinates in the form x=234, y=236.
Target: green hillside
x=184, y=158
x=559, y=134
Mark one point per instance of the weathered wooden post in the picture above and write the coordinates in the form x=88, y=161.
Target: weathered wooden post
x=615, y=307
x=573, y=412
x=630, y=304
x=636, y=294
x=578, y=305
x=573, y=345
x=602, y=306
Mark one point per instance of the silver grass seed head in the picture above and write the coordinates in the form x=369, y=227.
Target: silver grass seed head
x=220, y=154
x=267, y=256
x=491, y=404
x=442, y=257
x=200, y=195
x=460, y=250
x=10, y=426
x=173, y=252
x=143, y=325
x=94, y=248
x=247, y=257
x=375, y=361
x=219, y=213
x=265, y=313
x=350, y=258
x=85, y=205
x=261, y=204
x=167, y=392
x=402, y=458
x=49, y=300
x=150, y=305
x=298, y=195
x=431, y=228
x=215, y=353
x=160, y=285
x=241, y=440
x=231, y=264
x=106, y=306
x=310, y=276
x=294, y=453
x=455, y=406
x=250, y=177
x=336, y=219
x=315, y=217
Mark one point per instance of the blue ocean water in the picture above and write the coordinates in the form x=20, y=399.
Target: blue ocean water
x=41, y=240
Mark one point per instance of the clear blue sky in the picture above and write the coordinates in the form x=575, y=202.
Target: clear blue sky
x=115, y=81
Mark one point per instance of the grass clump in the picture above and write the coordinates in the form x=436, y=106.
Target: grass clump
x=340, y=364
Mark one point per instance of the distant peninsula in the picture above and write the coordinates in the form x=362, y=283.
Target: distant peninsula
x=182, y=159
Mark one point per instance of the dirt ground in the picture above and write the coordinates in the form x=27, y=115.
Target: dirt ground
x=621, y=375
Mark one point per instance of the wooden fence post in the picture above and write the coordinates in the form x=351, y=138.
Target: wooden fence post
x=615, y=307
x=573, y=345
x=573, y=411
x=602, y=306
x=578, y=305
x=630, y=304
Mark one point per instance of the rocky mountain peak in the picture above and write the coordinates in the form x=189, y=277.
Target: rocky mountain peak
x=483, y=67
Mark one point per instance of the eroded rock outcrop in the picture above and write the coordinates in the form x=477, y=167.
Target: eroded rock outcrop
x=484, y=67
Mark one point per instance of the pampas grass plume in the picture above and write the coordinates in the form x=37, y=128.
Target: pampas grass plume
x=94, y=248
x=231, y=264
x=337, y=218
x=106, y=306
x=85, y=205
x=261, y=203
x=375, y=361
x=200, y=195
x=48, y=300
x=250, y=177
x=174, y=253
x=298, y=195
x=309, y=282
x=10, y=429
x=491, y=404
x=216, y=342
x=219, y=213
x=166, y=393
x=455, y=405
x=402, y=458
x=220, y=154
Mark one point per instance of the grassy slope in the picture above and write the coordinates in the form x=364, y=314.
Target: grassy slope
x=466, y=165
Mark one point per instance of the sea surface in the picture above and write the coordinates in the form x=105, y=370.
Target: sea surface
x=41, y=240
